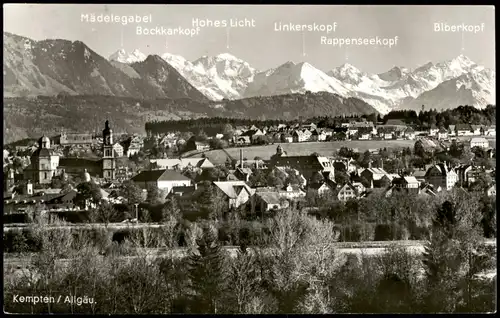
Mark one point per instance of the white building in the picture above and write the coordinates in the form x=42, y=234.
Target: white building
x=479, y=142
x=163, y=179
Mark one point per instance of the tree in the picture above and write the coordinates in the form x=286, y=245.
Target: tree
x=341, y=178
x=419, y=149
x=453, y=255
x=258, y=178
x=89, y=192
x=317, y=178
x=482, y=183
x=207, y=274
x=106, y=214
x=131, y=192
x=244, y=278
x=154, y=195
x=171, y=211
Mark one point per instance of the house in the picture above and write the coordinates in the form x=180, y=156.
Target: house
x=242, y=140
x=442, y=134
x=292, y=192
x=490, y=131
x=132, y=145
x=235, y=193
x=118, y=149
x=182, y=191
x=359, y=187
x=299, y=136
x=463, y=130
x=265, y=201
x=179, y=164
x=373, y=175
x=440, y=175
x=76, y=139
x=492, y=191
x=320, y=189
x=409, y=184
x=409, y=133
x=364, y=135
x=433, y=130
x=479, y=142
x=317, y=135
x=243, y=174
x=168, y=141
x=163, y=179
x=476, y=130
x=286, y=137
x=305, y=165
x=452, y=132
x=347, y=192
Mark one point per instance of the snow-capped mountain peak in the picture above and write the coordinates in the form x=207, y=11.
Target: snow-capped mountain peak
x=123, y=57
x=227, y=56
x=290, y=78
x=347, y=73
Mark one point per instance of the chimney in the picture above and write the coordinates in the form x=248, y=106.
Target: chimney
x=195, y=186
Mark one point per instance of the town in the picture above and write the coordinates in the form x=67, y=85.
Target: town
x=57, y=172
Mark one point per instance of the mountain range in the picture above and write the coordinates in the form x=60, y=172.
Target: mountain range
x=54, y=84
x=52, y=67
x=225, y=76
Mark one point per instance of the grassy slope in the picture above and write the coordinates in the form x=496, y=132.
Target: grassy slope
x=305, y=148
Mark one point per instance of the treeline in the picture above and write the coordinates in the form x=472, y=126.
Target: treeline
x=214, y=125
x=421, y=120
x=459, y=115
x=302, y=272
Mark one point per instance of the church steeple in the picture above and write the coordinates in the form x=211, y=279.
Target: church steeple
x=108, y=161
x=107, y=134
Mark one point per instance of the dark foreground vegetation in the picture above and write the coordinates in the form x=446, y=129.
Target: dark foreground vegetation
x=302, y=273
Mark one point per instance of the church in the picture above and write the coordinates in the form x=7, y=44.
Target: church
x=46, y=163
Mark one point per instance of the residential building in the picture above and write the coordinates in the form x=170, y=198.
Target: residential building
x=476, y=130
x=490, y=131
x=347, y=192
x=163, y=179
x=300, y=136
x=373, y=175
x=320, y=188
x=433, y=131
x=408, y=183
x=180, y=164
x=442, y=134
x=266, y=201
x=193, y=144
x=292, y=192
x=235, y=193
x=452, y=132
x=463, y=130
x=286, y=137
x=409, y=133
x=479, y=142
x=74, y=139
x=242, y=140
x=305, y=165
x=440, y=175
x=118, y=149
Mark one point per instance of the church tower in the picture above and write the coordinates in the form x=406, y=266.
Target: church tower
x=108, y=160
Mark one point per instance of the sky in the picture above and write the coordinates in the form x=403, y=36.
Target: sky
x=260, y=45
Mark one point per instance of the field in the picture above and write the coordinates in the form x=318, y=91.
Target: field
x=304, y=148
